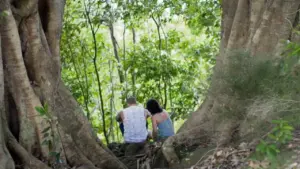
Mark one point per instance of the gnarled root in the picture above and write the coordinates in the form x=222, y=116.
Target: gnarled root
x=187, y=138
x=27, y=159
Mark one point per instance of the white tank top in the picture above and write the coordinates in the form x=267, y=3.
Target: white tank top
x=135, y=130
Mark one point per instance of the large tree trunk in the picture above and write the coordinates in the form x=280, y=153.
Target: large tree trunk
x=259, y=27
x=30, y=36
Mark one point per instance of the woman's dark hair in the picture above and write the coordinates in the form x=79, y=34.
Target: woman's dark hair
x=153, y=106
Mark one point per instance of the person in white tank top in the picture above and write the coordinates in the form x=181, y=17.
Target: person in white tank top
x=134, y=119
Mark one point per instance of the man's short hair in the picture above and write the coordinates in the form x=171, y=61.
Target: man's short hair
x=131, y=100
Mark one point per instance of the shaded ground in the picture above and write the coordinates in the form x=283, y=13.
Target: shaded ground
x=240, y=157
x=149, y=156
x=139, y=156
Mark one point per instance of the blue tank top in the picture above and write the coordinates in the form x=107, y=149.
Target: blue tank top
x=165, y=129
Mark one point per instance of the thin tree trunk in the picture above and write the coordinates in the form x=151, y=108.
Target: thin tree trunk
x=83, y=89
x=123, y=63
x=158, y=27
x=133, y=76
x=116, y=53
x=87, y=86
x=87, y=96
x=111, y=103
x=119, y=66
x=95, y=57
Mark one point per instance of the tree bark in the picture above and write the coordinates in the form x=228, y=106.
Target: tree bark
x=30, y=36
x=257, y=27
x=6, y=162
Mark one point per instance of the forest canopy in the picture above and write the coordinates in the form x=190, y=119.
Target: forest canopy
x=159, y=49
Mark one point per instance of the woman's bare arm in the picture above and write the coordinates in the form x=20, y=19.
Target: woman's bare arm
x=154, y=128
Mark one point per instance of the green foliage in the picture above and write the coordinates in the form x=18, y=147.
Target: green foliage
x=200, y=15
x=43, y=111
x=170, y=59
x=3, y=14
x=258, y=77
x=294, y=49
x=282, y=132
x=49, y=138
x=263, y=89
x=280, y=135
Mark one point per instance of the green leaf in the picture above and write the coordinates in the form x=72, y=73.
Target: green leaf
x=271, y=153
x=46, y=129
x=274, y=147
x=40, y=110
x=276, y=121
x=263, y=142
x=46, y=142
x=4, y=13
x=275, y=129
x=261, y=147
x=288, y=127
x=57, y=157
x=272, y=136
x=46, y=107
x=46, y=135
x=53, y=154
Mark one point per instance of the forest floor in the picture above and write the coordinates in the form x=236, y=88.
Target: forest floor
x=242, y=157
x=151, y=157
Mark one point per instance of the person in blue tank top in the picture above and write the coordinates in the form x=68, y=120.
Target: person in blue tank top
x=161, y=122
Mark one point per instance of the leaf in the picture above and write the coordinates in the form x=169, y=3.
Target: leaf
x=261, y=147
x=4, y=13
x=50, y=145
x=46, y=129
x=275, y=129
x=40, y=110
x=287, y=127
x=276, y=121
x=274, y=147
x=272, y=136
x=263, y=142
x=46, y=135
x=46, y=107
x=53, y=154
x=46, y=142
x=58, y=157
x=271, y=153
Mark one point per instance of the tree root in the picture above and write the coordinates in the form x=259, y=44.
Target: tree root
x=20, y=87
x=74, y=123
x=187, y=138
x=6, y=162
x=27, y=159
x=73, y=154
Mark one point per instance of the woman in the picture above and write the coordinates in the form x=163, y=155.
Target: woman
x=161, y=122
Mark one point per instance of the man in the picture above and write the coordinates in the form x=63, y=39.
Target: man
x=134, y=120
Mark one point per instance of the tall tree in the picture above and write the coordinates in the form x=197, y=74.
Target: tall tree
x=30, y=37
x=259, y=28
